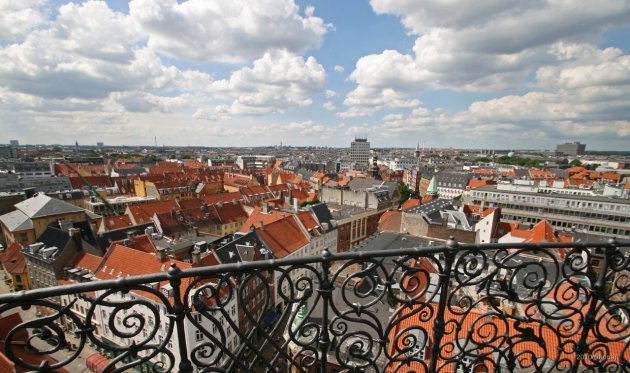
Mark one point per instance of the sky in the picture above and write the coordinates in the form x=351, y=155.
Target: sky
x=501, y=74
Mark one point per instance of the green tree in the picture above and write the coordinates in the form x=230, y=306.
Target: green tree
x=576, y=162
x=404, y=192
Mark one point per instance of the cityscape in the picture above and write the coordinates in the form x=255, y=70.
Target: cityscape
x=308, y=186
x=78, y=216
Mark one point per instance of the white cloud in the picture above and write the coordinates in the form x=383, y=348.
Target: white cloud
x=339, y=68
x=277, y=81
x=330, y=93
x=227, y=31
x=19, y=18
x=328, y=105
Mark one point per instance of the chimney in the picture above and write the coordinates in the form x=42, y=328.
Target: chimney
x=196, y=256
x=29, y=192
x=265, y=208
x=295, y=204
x=75, y=235
x=130, y=235
x=160, y=252
x=261, y=225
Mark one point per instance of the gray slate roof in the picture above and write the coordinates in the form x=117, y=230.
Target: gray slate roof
x=42, y=205
x=16, y=221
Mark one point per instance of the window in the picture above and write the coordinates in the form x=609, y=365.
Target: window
x=198, y=335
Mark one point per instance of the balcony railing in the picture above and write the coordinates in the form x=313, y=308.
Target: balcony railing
x=457, y=307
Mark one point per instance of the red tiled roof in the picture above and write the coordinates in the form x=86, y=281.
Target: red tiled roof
x=212, y=199
x=122, y=261
x=257, y=216
x=308, y=221
x=390, y=221
x=13, y=260
x=411, y=202
x=141, y=243
x=541, y=232
x=87, y=261
x=144, y=212
x=283, y=237
x=472, y=184
x=78, y=183
x=117, y=222
x=229, y=212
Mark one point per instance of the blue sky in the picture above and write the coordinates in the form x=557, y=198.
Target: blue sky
x=484, y=74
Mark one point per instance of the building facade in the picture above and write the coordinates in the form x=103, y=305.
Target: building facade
x=360, y=152
x=596, y=215
x=571, y=148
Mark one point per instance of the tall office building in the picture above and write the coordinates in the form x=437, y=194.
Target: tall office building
x=571, y=148
x=360, y=152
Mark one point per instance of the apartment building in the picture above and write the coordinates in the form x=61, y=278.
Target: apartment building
x=598, y=215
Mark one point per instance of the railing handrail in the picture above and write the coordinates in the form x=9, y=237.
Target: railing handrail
x=242, y=267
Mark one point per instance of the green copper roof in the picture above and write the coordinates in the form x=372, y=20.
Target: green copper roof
x=432, y=189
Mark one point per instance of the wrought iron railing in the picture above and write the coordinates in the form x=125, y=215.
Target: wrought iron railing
x=458, y=307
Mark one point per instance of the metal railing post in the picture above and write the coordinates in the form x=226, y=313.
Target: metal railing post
x=325, y=290
x=438, y=327
x=179, y=313
x=598, y=295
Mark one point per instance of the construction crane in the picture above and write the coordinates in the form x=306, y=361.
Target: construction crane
x=93, y=191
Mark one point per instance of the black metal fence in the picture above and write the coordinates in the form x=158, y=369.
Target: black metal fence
x=457, y=307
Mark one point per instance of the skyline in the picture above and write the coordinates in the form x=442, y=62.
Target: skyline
x=494, y=74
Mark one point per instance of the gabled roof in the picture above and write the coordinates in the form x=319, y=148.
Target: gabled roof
x=41, y=205
x=16, y=221
x=122, y=261
x=87, y=261
x=390, y=221
x=541, y=232
x=229, y=212
x=283, y=237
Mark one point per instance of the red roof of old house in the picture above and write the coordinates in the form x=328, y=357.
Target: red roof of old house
x=411, y=202
x=117, y=222
x=283, y=237
x=212, y=199
x=122, y=261
x=194, y=203
x=87, y=261
x=229, y=212
x=541, y=232
x=13, y=260
x=390, y=221
x=192, y=163
x=78, y=183
x=308, y=221
x=423, y=317
x=472, y=184
x=487, y=212
x=141, y=243
x=541, y=174
x=257, y=216
x=144, y=213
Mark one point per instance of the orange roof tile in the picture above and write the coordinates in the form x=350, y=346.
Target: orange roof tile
x=390, y=221
x=13, y=260
x=283, y=237
x=411, y=202
x=87, y=261
x=117, y=222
